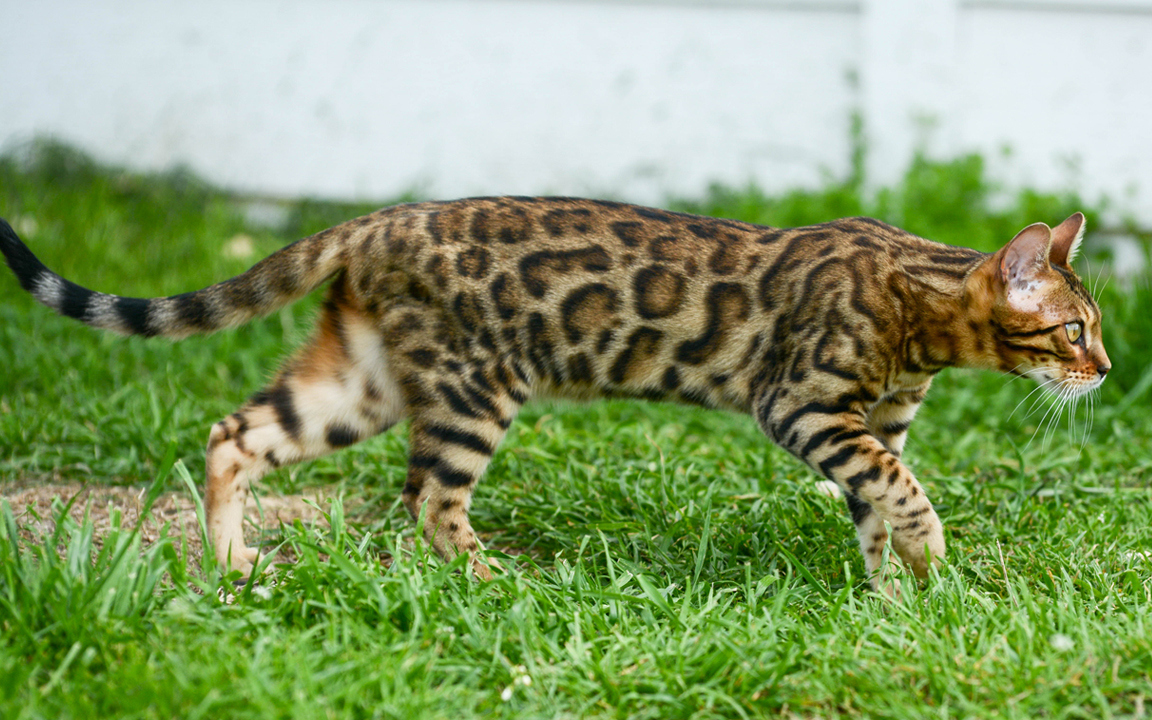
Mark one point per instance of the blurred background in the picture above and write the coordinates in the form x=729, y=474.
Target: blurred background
x=636, y=99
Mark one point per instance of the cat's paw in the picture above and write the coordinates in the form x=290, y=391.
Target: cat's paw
x=887, y=586
x=242, y=559
x=885, y=579
x=829, y=488
x=923, y=550
x=482, y=567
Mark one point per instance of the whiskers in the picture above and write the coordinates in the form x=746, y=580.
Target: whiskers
x=1094, y=287
x=1042, y=385
x=1065, y=398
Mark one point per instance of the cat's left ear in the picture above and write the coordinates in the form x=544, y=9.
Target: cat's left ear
x=1025, y=258
x=1066, y=239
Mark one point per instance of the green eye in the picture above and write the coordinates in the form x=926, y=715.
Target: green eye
x=1074, y=330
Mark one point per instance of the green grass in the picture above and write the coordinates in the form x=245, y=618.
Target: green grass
x=676, y=564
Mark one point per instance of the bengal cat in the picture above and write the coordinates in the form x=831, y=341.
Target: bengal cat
x=455, y=314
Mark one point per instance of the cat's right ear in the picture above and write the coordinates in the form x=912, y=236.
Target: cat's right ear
x=1024, y=258
x=1066, y=239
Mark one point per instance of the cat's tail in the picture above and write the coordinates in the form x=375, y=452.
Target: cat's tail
x=279, y=279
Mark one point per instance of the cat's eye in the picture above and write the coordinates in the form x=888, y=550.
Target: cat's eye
x=1074, y=330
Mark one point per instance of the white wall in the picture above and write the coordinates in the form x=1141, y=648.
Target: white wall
x=369, y=98
x=1069, y=92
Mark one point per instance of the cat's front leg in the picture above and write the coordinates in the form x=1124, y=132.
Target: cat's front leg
x=889, y=419
x=868, y=472
x=834, y=439
x=873, y=536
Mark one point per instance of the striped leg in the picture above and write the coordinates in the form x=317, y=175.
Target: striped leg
x=449, y=452
x=458, y=419
x=835, y=440
x=873, y=536
x=460, y=407
x=890, y=418
x=865, y=468
x=337, y=391
x=888, y=421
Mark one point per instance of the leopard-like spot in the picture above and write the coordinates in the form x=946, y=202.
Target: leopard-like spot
x=339, y=436
x=434, y=267
x=553, y=222
x=606, y=337
x=704, y=231
x=658, y=292
x=580, y=369
x=506, y=296
x=724, y=260
x=638, y=355
x=630, y=232
x=728, y=305
x=468, y=309
x=480, y=229
x=473, y=262
x=586, y=310
x=538, y=269
x=515, y=226
x=432, y=226
x=541, y=346
x=422, y=357
x=670, y=248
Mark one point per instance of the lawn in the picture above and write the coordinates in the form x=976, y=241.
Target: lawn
x=663, y=561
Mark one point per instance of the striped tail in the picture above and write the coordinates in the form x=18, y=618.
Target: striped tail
x=279, y=279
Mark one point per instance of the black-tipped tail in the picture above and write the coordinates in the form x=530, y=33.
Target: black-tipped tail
x=24, y=264
x=275, y=281
x=128, y=315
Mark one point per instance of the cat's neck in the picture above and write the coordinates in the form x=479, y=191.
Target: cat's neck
x=951, y=309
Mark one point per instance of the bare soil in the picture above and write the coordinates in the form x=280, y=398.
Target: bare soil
x=33, y=507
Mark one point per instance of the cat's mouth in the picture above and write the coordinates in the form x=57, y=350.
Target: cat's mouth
x=1080, y=389
x=1082, y=383
x=1063, y=383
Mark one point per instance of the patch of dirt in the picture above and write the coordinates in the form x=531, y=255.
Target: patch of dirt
x=32, y=506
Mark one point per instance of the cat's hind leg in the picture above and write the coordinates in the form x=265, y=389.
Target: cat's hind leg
x=336, y=391
x=448, y=455
x=461, y=404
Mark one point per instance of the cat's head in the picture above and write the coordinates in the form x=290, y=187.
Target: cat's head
x=1043, y=322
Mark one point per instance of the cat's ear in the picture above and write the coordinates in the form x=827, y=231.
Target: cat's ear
x=1066, y=239
x=1024, y=258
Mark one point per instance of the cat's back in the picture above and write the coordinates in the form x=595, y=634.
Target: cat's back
x=540, y=241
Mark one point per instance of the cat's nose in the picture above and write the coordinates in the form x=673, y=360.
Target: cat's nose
x=1103, y=369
